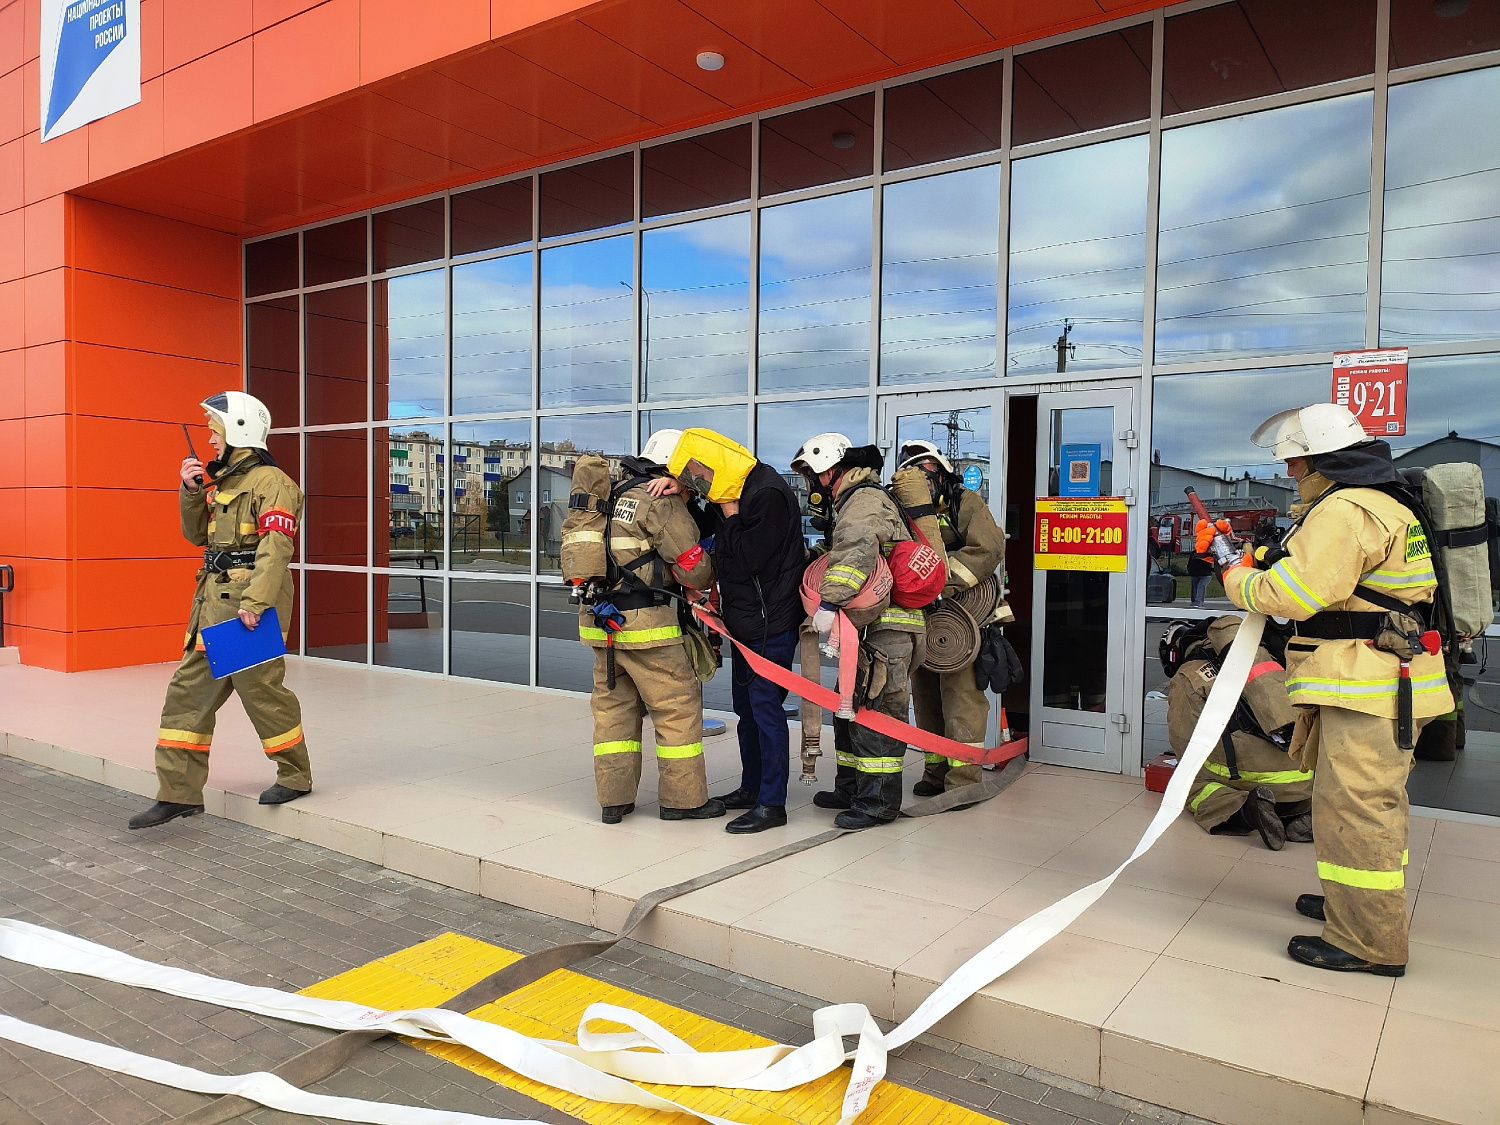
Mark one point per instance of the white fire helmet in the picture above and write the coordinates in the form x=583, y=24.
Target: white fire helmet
x=1307, y=431
x=915, y=452
x=243, y=418
x=659, y=446
x=821, y=453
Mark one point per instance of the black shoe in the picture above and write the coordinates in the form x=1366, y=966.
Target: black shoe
x=1311, y=906
x=960, y=808
x=832, y=799
x=279, y=794
x=925, y=788
x=854, y=820
x=161, y=812
x=1320, y=954
x=1260, y=811
x=758, y=819
x=613, y=814
x=1299, y=829
x=710, y=809
x=739, y=799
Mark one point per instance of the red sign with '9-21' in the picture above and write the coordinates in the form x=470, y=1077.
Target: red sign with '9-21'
x=1373, y=386
x=1080, y=534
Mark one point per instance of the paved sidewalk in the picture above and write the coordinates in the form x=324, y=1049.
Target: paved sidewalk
x=237, y=902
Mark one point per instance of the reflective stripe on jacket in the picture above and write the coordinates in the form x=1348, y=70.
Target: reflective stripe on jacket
x=865, y=520
x=1356, y=535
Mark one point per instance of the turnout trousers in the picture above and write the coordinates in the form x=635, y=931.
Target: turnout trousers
x=949, y=703
x=664, y=681
x=869, y=764
x=765, y=744
x=1360, y=821
x=187, y=726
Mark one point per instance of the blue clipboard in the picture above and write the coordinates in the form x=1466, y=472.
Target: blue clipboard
x=231, y=648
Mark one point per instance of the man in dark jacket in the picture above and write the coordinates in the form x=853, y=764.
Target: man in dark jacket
x=759, y=556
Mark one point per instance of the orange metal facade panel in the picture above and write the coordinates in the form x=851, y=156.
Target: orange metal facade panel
x=266, y=12
x=210, y=97
x=190, y=30
x=121, y=383
x=396, y=35
x=12, y=245
x=512, y=79
x=96, y=510
x=112, y=648
x=12, y=394
x=61, y=165
x=49, y=527
x=47, y=382
x=155, y=453
x=46, y=306
x=12, y=534
x=1015, y=21
x=151, y=31
x=129, y=138
x=46, y=593
x=12, y=450
x=158, y=593
x=12, y=177
x=12, y=314
x=154, y=318
x=307, y=58
x=908, y=33
x=143, y=247
x=46, y=234
x=510, y=16
x=12, y=118
x=31, y=95
x=12, y=36
x=46, y=446
x=380, y=116
x=445, y=97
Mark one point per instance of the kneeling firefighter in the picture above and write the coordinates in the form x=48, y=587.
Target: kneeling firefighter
x=1249, y=783
x=626, y=552
x=951, y=702
x=1355, y=574
x=844, y=489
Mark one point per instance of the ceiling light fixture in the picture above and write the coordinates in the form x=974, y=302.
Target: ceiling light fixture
x=710, y=60
x=843, y=140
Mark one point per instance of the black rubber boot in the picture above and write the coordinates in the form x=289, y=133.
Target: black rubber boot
x=613, y=814
x=710, y=809
x=1311, y=906
x=1321, y=954
x=279, y=795
x=832, y=799
x=854, y=820
x=1299, y=828
x=925, y=788
x=1260, y=811
x=758, y=819
x=161, y=812
x=739, y=799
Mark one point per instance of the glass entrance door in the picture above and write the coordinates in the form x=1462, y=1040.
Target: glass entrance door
x=1084, y=442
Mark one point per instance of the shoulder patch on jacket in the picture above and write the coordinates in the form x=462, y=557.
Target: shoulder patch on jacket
x=1416, y=543
x=625, y=508
x=277, y=519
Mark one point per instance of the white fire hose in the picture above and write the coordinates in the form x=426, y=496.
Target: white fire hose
x=603, y=1066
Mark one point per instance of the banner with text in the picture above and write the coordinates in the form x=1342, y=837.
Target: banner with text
x=91, y=61
x=1373, y=386
x=1081, y=534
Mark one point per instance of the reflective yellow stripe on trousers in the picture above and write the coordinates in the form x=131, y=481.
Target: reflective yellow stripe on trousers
x=877, y=765
x=1365, y=880
x=692, y=750
x=624, y=746
x=1207, y=791
x=1278, y=777
x=630, y=636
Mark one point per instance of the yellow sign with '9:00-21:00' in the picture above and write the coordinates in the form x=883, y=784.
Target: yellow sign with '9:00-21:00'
x=1081, y=534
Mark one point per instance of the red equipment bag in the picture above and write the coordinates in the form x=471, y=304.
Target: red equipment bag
x=917, y=574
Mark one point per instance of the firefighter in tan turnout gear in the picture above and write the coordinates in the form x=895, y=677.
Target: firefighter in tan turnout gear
x=952, y=703
x=1249, y=783
x=639, y=653
x=1355, y=574
x=244, y=511
x=843, y=482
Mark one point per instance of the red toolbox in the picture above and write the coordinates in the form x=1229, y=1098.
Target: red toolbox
x=1159, y=772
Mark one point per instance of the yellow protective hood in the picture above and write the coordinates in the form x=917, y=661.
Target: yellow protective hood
x=729, y=461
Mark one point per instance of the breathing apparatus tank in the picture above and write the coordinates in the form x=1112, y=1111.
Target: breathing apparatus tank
x=583, y=555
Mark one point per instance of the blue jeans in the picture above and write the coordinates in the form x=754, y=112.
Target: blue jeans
x=765, y=745
x=1200, y=588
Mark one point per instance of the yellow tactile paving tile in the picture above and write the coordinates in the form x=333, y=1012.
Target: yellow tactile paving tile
x=427, y=974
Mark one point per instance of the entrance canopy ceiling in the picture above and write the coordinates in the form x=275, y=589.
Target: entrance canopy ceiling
x=596, y=76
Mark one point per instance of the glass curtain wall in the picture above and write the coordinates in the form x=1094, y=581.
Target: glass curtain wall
x=1215, y=200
